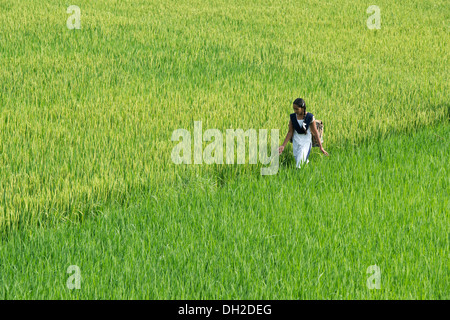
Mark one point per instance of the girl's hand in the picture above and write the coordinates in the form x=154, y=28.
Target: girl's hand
x=280, y=149
x=323, y=151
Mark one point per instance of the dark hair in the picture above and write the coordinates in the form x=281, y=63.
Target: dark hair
x=300, y=102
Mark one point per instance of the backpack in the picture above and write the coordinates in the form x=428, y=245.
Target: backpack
x=319, y=126
x=306, y=123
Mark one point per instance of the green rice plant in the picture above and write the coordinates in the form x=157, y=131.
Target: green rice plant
x=301, y=234
x=86, y=115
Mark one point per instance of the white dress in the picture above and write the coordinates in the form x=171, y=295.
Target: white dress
x=301, y=144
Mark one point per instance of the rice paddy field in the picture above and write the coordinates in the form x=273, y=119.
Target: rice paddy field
x=87, y=178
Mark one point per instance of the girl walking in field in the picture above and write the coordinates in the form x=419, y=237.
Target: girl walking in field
x=301, y=125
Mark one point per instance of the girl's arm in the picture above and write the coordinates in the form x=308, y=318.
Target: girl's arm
x=316, y=134
x=288, y=137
